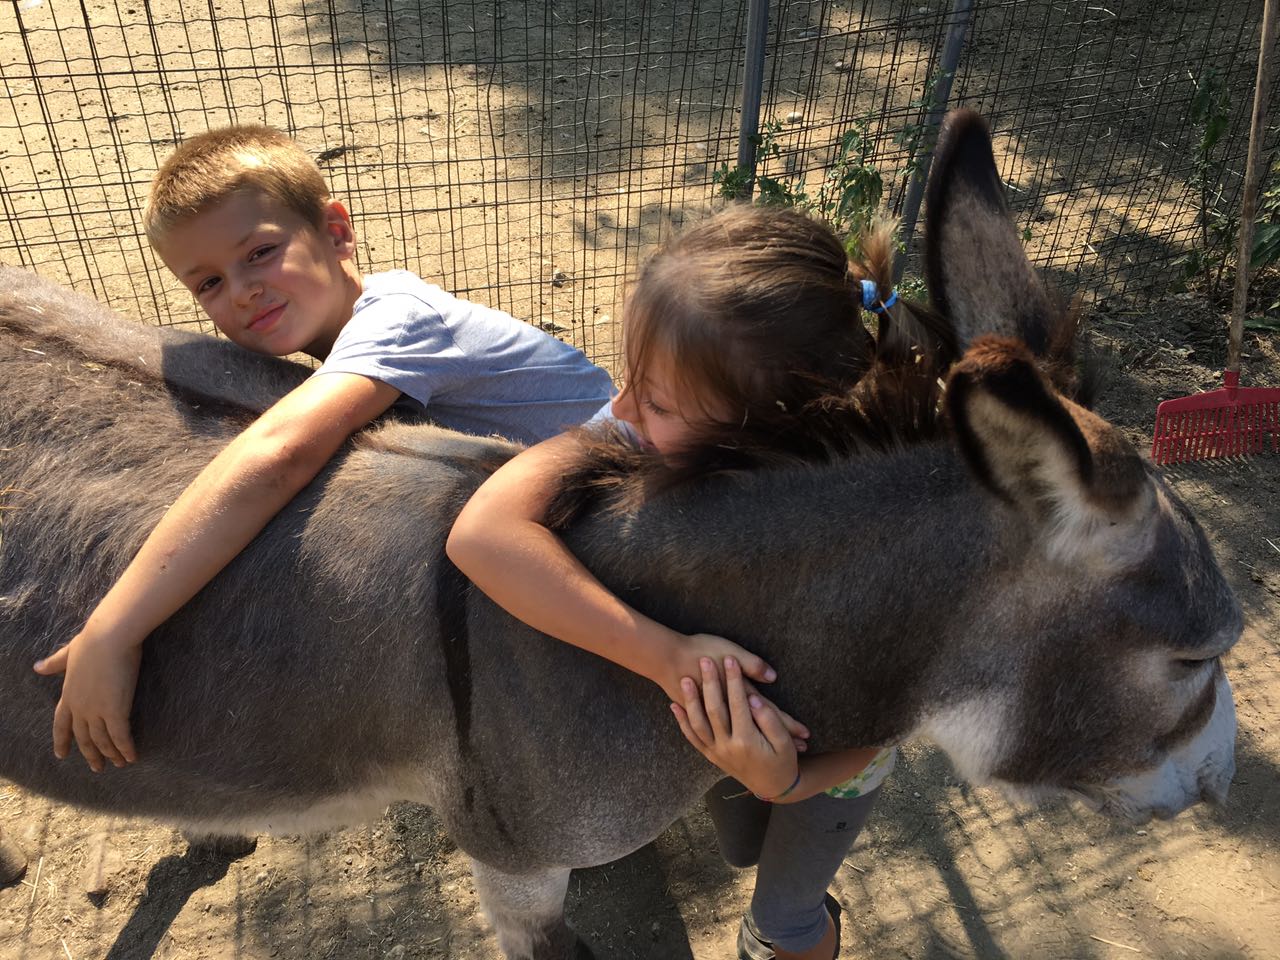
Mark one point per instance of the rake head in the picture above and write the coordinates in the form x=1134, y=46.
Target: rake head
x=1229, y=422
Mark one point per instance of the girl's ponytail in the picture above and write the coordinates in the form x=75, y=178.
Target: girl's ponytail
x=905, y=330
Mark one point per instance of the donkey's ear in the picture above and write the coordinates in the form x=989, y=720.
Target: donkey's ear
x=978, y=274
x=1070, y=470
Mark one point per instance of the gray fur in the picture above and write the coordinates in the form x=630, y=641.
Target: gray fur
x=341, y=662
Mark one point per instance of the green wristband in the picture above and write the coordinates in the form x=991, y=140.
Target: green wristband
x=794, y=783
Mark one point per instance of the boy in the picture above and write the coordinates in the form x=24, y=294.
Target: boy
x=242, y=216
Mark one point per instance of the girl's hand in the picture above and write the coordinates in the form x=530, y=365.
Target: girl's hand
x=695, y=649
x=739, y=732
x=97, y=694
x=690, y=650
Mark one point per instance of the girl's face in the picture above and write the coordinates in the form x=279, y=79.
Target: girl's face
x=660, y=406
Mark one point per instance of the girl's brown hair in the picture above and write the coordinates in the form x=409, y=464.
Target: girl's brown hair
x=760, y=311
x=755, y=309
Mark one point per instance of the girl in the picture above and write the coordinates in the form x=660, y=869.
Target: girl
x=744, y=345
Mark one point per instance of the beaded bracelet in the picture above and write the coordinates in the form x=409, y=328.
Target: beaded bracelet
x=794, y=783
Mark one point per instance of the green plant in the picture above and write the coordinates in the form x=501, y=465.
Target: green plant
x=851, y=190
x=1209, y=114
x=912, y=135
x=1266, y=237
x=847, y=198
x=736, y=182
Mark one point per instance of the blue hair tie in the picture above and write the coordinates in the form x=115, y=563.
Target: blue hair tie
x=871, y=297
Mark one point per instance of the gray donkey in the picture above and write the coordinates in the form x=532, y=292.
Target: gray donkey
x=1023, y=590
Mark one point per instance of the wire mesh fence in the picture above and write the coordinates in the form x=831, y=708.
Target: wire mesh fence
x=524, y=154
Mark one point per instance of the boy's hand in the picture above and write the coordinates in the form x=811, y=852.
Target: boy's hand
x=101, y=675
x=700, y=647
x=740, y=733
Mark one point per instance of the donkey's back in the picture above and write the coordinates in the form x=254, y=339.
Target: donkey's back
x=339, y=663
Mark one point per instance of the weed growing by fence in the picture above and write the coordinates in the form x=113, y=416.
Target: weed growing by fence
x=847, y=198
x=1209, y=112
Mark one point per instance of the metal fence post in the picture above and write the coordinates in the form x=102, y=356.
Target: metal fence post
x=752, y=88
x=961, y=11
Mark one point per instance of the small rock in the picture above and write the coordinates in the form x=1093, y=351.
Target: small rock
x=843, y=66
x=603, y=318
x=559, y=277
x=795, y=116
x=102, y=863
x=396, y=952
x=347, y=860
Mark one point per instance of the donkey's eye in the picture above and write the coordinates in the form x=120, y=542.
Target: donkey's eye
x=1185, y=667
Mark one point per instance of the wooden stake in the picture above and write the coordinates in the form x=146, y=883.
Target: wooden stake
x=1112, y=943
x=36, y=884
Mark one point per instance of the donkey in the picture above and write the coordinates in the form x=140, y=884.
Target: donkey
x=1023, y=590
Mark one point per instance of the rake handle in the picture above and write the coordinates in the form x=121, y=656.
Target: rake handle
x=1252, y=179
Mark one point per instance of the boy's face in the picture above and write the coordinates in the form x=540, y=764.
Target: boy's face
x=268, y=279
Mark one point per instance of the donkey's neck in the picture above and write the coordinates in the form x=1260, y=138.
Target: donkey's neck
x=858, y=581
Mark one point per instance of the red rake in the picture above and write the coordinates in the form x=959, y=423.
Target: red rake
x=1229, y=422
x=1232, y=421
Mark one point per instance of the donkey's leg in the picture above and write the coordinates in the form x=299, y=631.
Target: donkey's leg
x=219, y=846
x=527, y=912
x=13, y=863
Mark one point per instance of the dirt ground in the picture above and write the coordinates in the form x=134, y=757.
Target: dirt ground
x=942, y=870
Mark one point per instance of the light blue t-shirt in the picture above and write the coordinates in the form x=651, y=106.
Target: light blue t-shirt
x=471, y=367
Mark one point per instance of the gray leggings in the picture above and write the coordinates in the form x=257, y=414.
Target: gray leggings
x=797, y=849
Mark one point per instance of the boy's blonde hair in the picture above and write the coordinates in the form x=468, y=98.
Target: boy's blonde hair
x=208, y=168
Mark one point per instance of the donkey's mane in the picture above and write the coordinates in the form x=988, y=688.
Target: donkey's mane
x=898, y=403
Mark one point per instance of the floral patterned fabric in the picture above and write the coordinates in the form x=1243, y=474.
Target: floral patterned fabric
x=870, y=777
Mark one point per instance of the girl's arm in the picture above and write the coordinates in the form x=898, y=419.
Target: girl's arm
x=743, y=735
x=216, y=517
x=499, y=541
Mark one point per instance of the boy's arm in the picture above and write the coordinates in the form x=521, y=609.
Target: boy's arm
x=499, y=541
x=215, y=518
x=742, y=734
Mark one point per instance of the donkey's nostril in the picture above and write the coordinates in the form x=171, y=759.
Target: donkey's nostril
x=1214, y=784
x=1215, y=792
